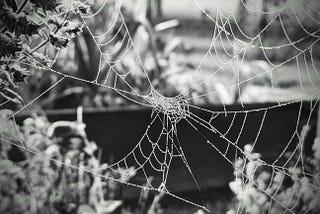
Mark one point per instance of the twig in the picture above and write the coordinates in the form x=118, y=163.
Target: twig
x=22, y=6
x=39, y=46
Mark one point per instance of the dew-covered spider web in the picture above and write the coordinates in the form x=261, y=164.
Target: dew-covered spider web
x=230, y=50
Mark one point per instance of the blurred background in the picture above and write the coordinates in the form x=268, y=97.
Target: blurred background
x=176, y=46
x=248, y=67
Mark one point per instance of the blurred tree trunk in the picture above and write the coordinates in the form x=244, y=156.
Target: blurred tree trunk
x=154, y=11
x=249, y=18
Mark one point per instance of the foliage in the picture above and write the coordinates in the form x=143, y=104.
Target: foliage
x=81, y=59
x=25, y=30
x=297, y=190
x=51, y=171
x=39, y=185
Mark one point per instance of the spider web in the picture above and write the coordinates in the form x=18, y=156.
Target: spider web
x=170, y=111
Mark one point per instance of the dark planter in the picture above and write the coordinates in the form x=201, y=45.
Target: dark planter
x=118, y=130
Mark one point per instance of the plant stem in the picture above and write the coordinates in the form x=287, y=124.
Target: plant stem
x=22, y=6
x=64, y=21
x=39, y=46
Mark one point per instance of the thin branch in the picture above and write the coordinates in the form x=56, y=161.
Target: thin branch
x=22, y=6
x=39, y=46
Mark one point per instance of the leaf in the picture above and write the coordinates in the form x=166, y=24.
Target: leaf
x=72, y=29
x=8, y=129
x=49, y=5
x=44, y=60
x=74, y=6
x=6, y=77
x=5, y=204
x=21, y=23
x=12, y=4
x=9, y=45
x=68, y=28
x=6, y=165
x=59, y=42
x=12, y=99
x=21, y=75
x=56, y=21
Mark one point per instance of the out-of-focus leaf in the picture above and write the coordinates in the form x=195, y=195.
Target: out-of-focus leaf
x=108, y=207
x=85, y=209
x=7, y=166
x=20, y=203
x=83, y=8
x=8, y=129
x=5, y=204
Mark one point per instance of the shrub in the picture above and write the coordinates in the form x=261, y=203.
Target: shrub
x=27, y=28
x=43, y=181
x=262, y=189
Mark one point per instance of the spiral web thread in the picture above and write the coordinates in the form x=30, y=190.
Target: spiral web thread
x=169, y=111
